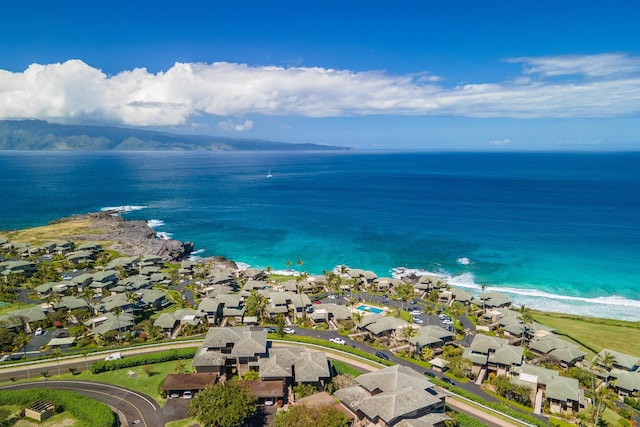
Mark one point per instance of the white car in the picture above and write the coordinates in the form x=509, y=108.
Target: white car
x=337, y=341
x=113, y=356
x=187, y=395
x=418, y=321
x=416, y=313
x=38, y=332
x=289, y=331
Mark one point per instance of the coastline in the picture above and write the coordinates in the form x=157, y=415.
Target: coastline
x=575, y=238
x=140, y=236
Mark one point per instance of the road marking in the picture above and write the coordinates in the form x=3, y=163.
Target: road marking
x=108, y=385
x=111, y=396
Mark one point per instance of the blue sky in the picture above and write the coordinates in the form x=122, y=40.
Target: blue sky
x=463, y=75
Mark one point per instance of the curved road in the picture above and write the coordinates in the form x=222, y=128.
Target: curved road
x=134, y=408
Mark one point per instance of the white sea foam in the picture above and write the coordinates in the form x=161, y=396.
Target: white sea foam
x=155, y=223
x=612, y=306
x=199, y=251
x=242, y=265
x=463, y=260
x=164, y=235
x=123, y=209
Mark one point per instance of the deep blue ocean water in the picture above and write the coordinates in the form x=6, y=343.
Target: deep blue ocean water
x=557, y=231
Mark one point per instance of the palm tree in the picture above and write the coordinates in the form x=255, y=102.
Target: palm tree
x=527, y=320
x=86, y=361
x=408, y=332
x=288, y=264
x=57, y=353
x=357, y=318
x=604, y=362
x=405, y=291
x=21, y=341
x=300, y=287
x=299, y=262
x=483, y=286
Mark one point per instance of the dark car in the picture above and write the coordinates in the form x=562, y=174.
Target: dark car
x=430, y=374
x=448, y=381
x=269, y=330
x=382, y=355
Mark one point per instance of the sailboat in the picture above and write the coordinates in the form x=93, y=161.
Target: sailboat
x=269, y=174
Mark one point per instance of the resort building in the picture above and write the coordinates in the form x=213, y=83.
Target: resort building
x=431, y=336
x=562, y=394
x=295, y=365
x=492, y=354
x=394, y=396
x=231, y=350
x=550, y=346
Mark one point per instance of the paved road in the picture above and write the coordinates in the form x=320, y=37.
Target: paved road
x=131, y=405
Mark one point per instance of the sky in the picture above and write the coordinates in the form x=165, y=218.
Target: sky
x=436, y=75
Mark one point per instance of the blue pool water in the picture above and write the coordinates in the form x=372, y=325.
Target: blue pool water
x=370, y=309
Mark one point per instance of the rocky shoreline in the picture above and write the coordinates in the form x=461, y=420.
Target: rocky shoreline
x=132, y=237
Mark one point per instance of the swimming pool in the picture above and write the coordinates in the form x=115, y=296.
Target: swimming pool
x=368, y=308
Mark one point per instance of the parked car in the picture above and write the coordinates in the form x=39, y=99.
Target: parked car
x=448, y=381
x=382, y=355
x=187, y=394
x=315, y=302
x=289, y=331
x=269, y=330
x=269, y=402
x=337, y=340
x=430, y=374
x=113, y=356
x=38, y=332
x=418, y=321
x=174, y=395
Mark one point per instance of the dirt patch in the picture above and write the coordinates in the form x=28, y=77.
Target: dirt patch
x=132, y=374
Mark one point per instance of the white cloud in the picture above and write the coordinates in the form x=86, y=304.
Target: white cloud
x=606, y=85
x=500, y=142
x=605, y=64
x=229, y=126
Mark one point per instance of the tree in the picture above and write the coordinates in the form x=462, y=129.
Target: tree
x=21, y=341
x=226, y=404
x=56, y=354
x=300, y=283
x=256, y=304
x=524, y=315
x=603, y=363
x=483, y=286
x=405, y=291
x=311, y=416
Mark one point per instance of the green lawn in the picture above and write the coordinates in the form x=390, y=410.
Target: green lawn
x=595, y=334
x=343, y=368
x=132, y=378
x=187, y=422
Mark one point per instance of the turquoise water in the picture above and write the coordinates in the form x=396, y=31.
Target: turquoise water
x=556, y=231
x=369, y=309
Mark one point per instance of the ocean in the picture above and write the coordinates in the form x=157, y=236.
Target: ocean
x=555, y=231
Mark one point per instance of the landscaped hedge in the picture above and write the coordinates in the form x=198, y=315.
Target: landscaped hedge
x=143, y=359
x=90, y=412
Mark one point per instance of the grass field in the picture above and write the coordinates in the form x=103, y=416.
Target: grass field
x=51, y=232
x=595, y=334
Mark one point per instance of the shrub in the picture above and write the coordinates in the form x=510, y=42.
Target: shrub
x=91, y=412
x=143, y=359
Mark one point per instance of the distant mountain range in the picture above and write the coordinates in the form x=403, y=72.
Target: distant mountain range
x=41, y=135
